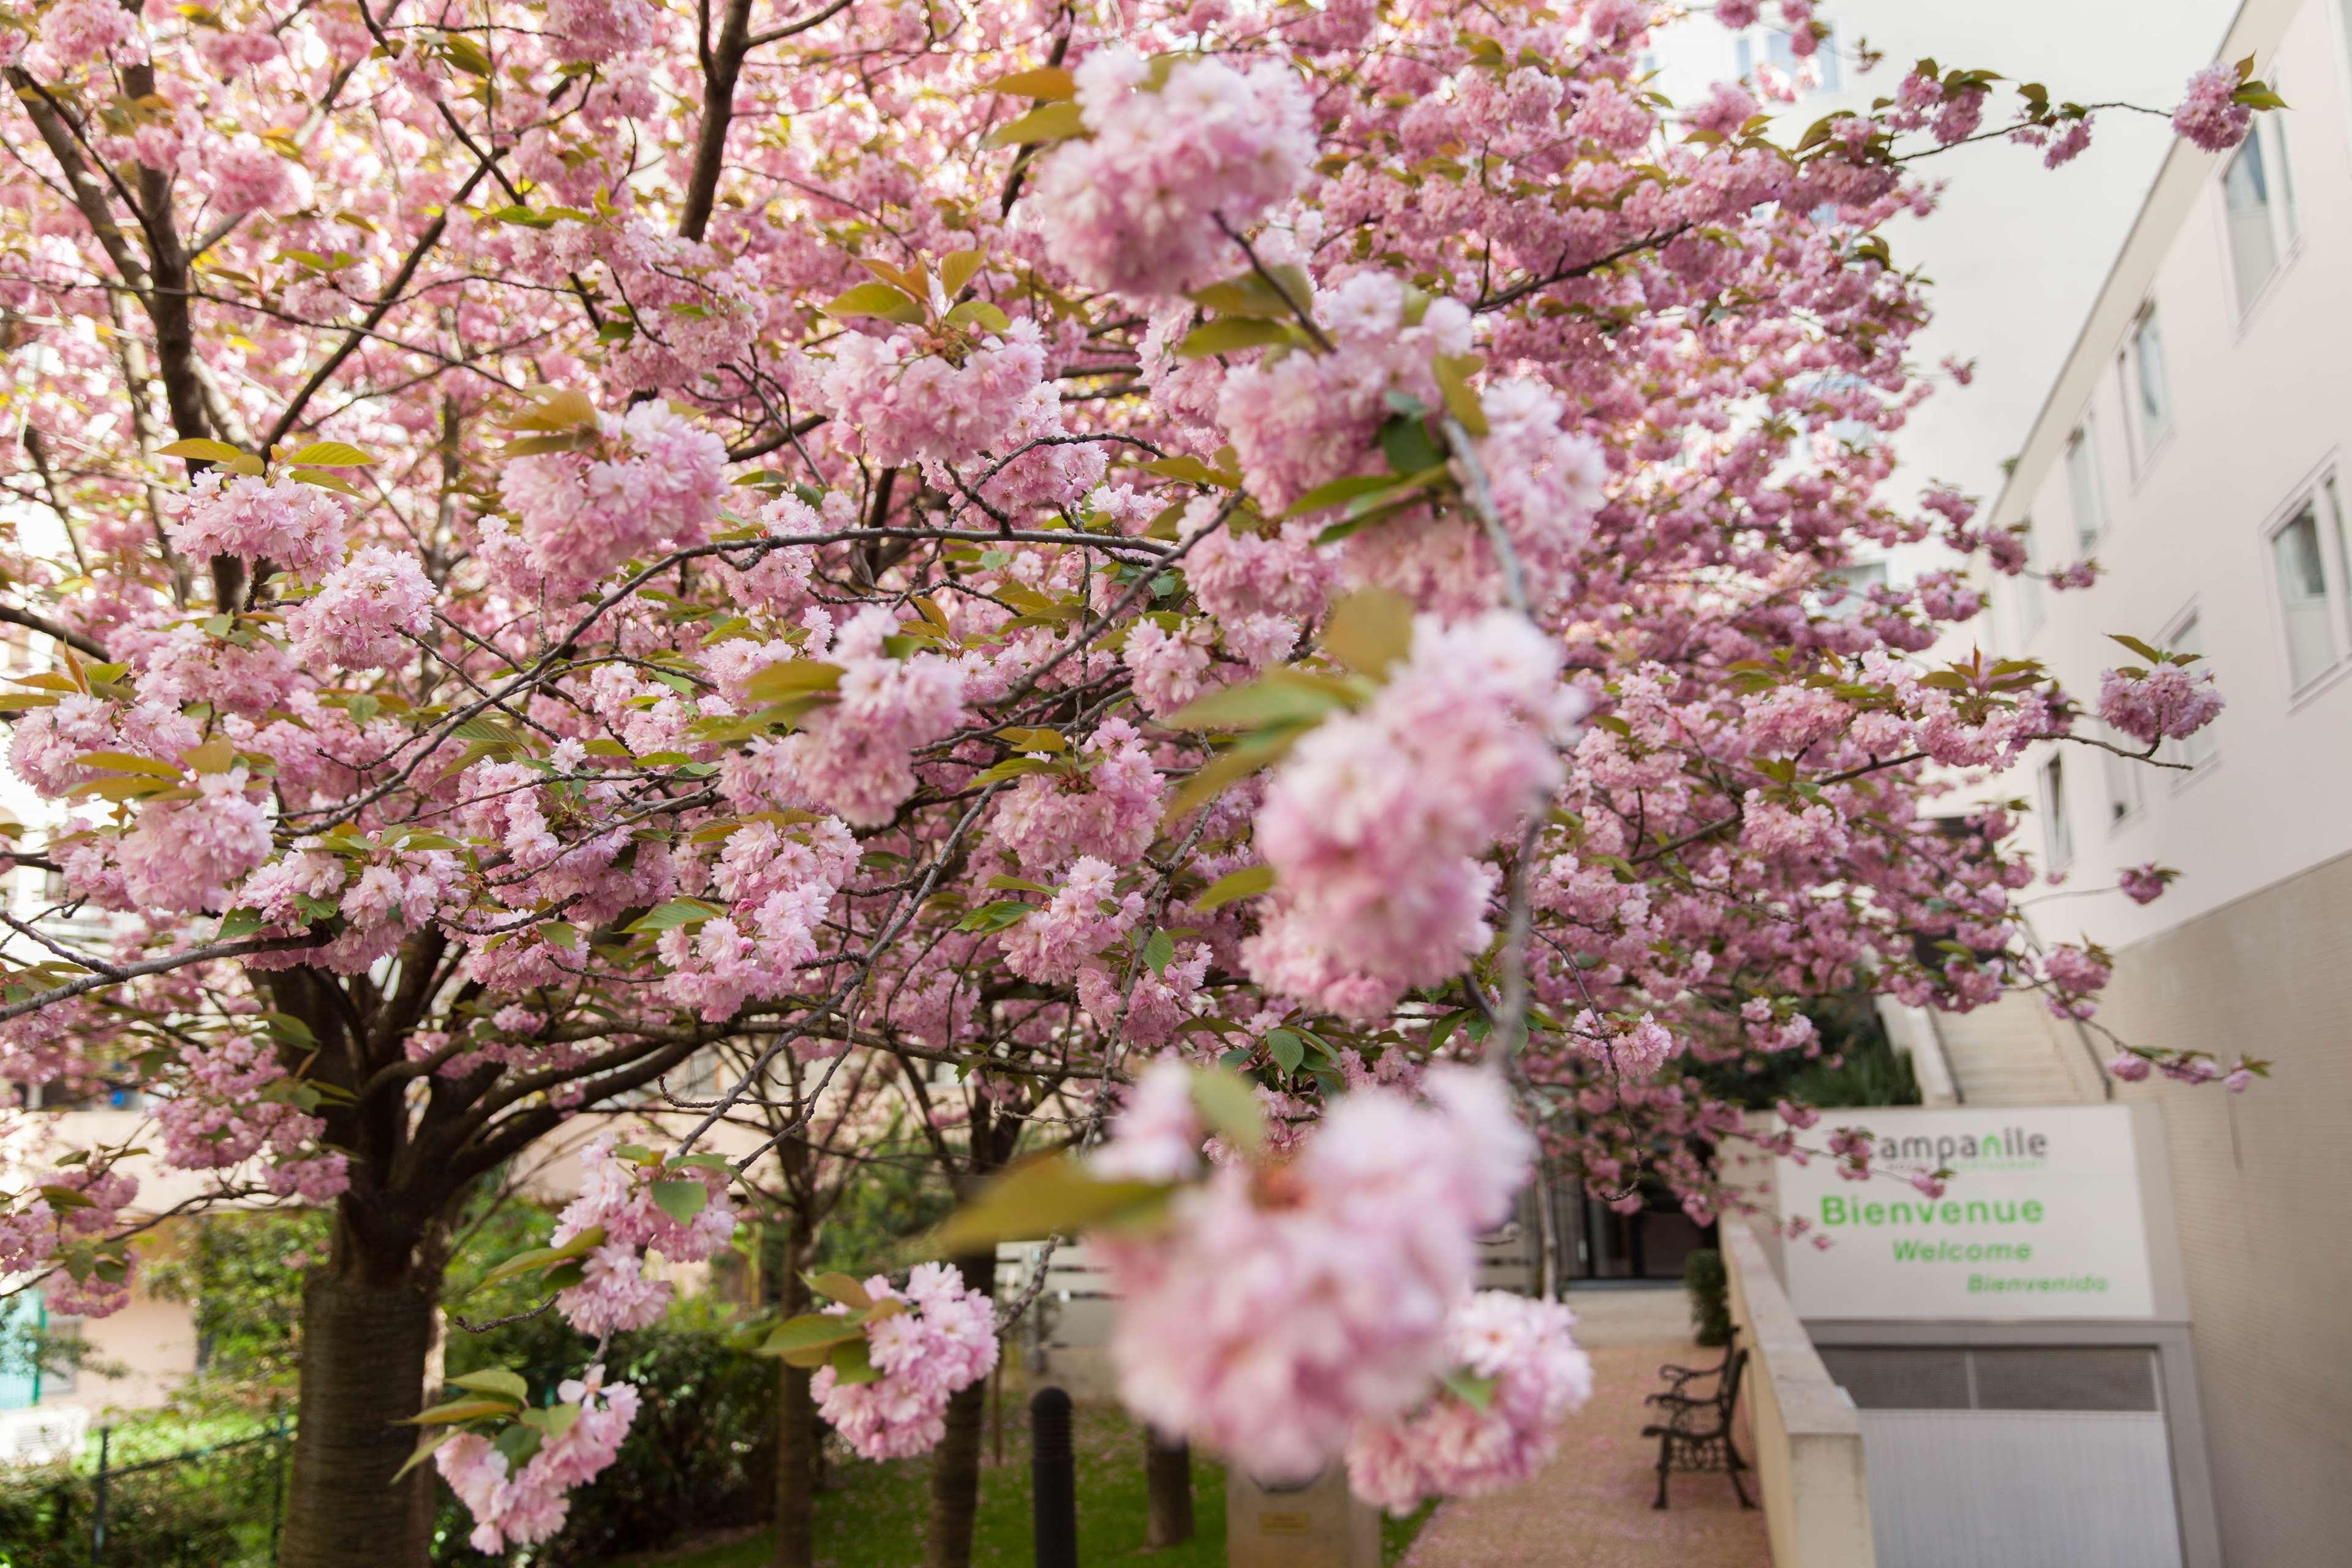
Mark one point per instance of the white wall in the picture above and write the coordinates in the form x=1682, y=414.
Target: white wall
x=2261, y=404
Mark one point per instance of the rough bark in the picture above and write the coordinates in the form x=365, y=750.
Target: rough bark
x=367, y=1327
x=1168, y=1491
x=955, y=1463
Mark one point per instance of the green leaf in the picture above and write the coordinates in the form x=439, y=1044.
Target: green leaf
x=680, y=1199
x=795, y=677
x=1348, y=487
x=1052, y=83
x=1247, y=883
x=426, y=1445
x=958, y=268
x=851, y=1365
x=332, y=455
x=125, y=763
x=519, y=1443
x=494, y=1380
x=197, y=448
x=465, y=54
x=1235, y=762
x=237, y=924
x=1229, y=1105
x=554, y=1420
x=1370, y=630
x=458, y=1410
x=2153, y=655
x=1192, y=471
x=1454, y=373
x=1231, y=335
x=1280, y=696
x=1048, y=122
x=538, y=1258
x=877, y=298
x=1473, y=1390
x=1252, y=294
x=842, y=1288
x=1001, y=915
x=980, y=313
x=1287, y=1049
x=1160, y=952
x=1045, y=1196
x=676, y=912
x=1410, y=448
x=808, y=1340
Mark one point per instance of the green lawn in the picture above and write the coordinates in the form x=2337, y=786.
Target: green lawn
x=871, y=1515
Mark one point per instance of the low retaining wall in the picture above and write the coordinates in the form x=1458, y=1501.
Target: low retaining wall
x=1807, y=1438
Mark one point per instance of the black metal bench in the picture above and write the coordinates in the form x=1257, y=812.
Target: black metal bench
x=1694, y=1432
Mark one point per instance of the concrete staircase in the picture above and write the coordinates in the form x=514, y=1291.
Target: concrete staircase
x=2015, y=1052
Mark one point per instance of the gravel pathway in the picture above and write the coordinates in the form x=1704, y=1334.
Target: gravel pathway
x=1592, y=1508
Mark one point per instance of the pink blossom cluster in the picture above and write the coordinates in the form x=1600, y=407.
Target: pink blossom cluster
x=2167, y=703
x=1375, y=823
x=616, y=1194
x=222, y=1115
x=1110, y=811
x=658, y=479
x=779, y=885
x=359, y=615
x=286, y=522
x=2209, y=114
x=1634, y=1049
x=186, y=855
x=906, y=406
x=1086, y=915
x=599, y=30
x=2143, y=884
x=1281, y=1303
x=1518, y=1347
x=943, y=1342
x=41, y=1233
x=854, y=757
x=1143, y=205
x=519, y=1508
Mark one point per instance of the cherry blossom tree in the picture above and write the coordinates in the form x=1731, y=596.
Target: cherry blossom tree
x=1174, y=577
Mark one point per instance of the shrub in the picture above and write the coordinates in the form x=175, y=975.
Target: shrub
x=1711, y=1301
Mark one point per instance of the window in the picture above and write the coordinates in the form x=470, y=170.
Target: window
x=1844, y=591
x=2198, y=749
x=1821, y=73
x=2258, y=196
x=2057, y=832
x=2083, y=486
x=2147, y=397
x=2308, y=554
x=2037, y=1377
x=2027, y=589
x=2123, y=777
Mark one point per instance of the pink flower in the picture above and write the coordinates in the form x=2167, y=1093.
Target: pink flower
x=1280, y=1305
x=248, y=176
x=617, y=1195
x=2129, y=1067
x=184, y=854
x=1453, y=1447
x=2167, y=703
x=943, y=1342
x=514, y=1508
x=1110, y=811
x=599, y=30
x=906, y=406
x=1172, y=153
x=290, y=525
x=2143, y=884
x=1374, y=823
x=2209, y=114
x=357, y=617
x=657, y=481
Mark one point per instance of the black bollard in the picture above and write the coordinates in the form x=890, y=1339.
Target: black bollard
x=1053, y=1479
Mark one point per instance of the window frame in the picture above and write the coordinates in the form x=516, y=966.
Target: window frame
x=2141, y=445
x=2085, y=439
x=2058, y=847
x=2321, y=493
x=2268, y=138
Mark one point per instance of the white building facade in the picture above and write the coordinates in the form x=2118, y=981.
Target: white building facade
x=2198, y=445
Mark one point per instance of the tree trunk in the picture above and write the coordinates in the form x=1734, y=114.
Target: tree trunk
x=955, y=1464
x=365, y=1335
x=1168, y=1491
x=796, y=1430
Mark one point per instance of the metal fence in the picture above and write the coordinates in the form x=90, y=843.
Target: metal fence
x=219, y=1506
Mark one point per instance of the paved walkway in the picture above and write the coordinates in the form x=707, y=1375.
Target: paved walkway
x=1592, y=1508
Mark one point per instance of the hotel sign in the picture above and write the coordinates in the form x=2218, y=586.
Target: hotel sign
x=2041, y=1217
